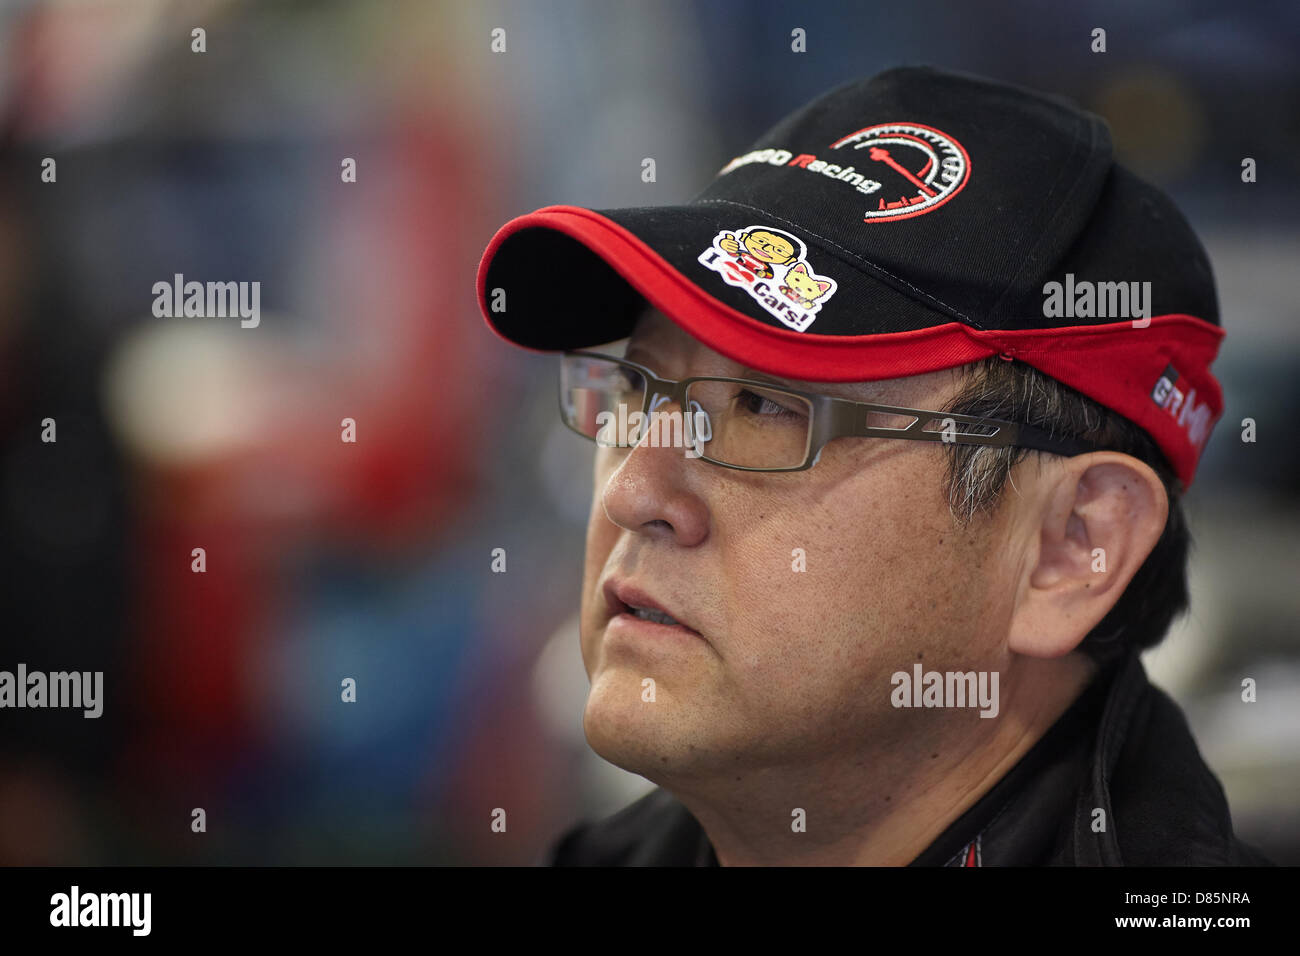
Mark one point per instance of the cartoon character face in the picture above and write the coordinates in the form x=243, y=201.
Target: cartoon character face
x=768, y=246
x=804, y=285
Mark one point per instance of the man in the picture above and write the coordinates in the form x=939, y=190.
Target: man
x=880, y=601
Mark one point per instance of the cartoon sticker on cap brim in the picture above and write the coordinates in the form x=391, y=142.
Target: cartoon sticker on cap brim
x=769, y=264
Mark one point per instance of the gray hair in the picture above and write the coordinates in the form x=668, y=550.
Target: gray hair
x=978, y=474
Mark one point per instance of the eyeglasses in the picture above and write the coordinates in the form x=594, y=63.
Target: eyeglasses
x=756, y=426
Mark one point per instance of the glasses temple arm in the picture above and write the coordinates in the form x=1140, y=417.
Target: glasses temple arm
x=1030, y=436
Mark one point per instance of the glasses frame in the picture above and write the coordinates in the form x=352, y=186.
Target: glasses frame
x=833, y=417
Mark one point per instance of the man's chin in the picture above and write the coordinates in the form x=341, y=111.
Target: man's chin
x=631, y=733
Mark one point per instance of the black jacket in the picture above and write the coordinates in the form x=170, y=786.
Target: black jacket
x=1124, y=747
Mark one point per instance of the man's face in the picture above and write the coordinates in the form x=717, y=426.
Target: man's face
x=789, y=665
x=768, y=247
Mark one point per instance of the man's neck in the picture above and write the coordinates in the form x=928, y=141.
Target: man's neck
x=882, y=808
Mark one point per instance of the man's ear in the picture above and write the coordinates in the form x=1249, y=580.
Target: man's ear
x=1090, y=524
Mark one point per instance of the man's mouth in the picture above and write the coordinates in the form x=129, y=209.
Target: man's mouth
x=622, y=597
x=650, y=614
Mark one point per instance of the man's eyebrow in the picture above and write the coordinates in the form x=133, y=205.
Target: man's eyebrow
x=647, y=355
x=747, y=372
x=873, y=391
x=874, y=394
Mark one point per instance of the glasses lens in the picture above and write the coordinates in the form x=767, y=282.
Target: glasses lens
x=748, y=425
x=592, y=392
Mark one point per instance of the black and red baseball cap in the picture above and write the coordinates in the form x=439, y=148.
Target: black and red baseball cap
x=910, y=222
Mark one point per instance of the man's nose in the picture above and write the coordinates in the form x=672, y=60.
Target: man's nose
x=654, y=489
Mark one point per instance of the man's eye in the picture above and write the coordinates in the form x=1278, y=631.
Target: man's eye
x=757, y=404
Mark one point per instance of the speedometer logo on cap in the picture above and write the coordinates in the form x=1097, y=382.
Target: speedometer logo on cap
x=919, y=168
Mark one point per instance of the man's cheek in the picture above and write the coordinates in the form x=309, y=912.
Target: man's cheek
x=783, y=650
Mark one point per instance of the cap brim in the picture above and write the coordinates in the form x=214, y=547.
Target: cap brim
x=571, y=278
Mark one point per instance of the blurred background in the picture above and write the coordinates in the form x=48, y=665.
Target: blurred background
x=373, y=560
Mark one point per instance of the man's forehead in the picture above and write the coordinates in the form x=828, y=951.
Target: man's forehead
x=654, y=331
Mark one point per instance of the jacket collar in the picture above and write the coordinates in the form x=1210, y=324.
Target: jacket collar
x=1117, y=780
